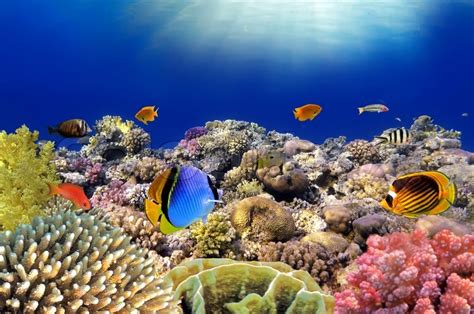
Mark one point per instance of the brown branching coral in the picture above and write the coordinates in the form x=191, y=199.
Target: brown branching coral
x=260, y=218
x=308, y=256
x=214, y=238
x=77, y=263
x=363, y=152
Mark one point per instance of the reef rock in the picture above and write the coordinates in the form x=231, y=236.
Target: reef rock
x=338, y=218
x=331, y=241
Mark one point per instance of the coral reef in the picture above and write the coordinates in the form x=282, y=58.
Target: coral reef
x=25, y=171
x=363, y=152
x=408, y=272
x=76, y=263
x=214, y=238
x=226, y=286
x=259, y=218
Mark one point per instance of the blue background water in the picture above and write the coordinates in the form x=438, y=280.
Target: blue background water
x=253, y=61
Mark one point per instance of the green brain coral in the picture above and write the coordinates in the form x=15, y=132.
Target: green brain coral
x=25, y=170
x=227, y=286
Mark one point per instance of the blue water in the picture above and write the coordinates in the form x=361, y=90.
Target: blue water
x=253, y=60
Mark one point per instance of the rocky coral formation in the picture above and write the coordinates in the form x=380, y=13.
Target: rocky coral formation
x=70, y=262
x=363, y=152
x=408, y=272
x=246, y=287
x=260, y=218
x=25, y=172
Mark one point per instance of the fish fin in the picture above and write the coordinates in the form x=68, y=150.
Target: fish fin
x=215, y=201
x=295, y=113
x=145, y=122
x=153, y=211
x=83, y=140
x=52, y=130
x=53, y=189
x=155, y=112
x=442, y=206
x=361, y=109
x=381, y=139
x=166, y=227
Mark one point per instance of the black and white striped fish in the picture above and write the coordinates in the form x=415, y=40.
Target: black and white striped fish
x=396, y=137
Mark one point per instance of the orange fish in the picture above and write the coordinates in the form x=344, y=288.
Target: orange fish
x=71, y=192
x=307, y=112
x=147, y=114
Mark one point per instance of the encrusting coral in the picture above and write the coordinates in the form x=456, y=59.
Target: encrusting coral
x=260, y=218
x=403, y=273
x=25, y=170
x=226, y=286
x=70, y=262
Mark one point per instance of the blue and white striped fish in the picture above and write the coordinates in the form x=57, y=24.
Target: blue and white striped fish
x=180, y=196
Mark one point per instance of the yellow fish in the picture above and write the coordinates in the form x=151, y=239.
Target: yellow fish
x=420, y=193
x=307, y=112
x=147, y=114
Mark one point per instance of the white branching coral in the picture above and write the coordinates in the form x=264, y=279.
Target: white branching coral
x=77, y=263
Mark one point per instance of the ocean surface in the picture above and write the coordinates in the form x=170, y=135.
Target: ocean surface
x=244, y=60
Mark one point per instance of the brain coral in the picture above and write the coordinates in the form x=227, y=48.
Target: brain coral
x=226, y=286
x=76, y=263
x=25, y=170
x=260, y=218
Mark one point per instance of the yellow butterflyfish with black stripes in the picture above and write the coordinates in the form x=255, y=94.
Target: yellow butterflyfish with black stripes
x=420, y=193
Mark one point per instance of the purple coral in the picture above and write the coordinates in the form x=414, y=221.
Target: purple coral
x=114, y=193
x=94, y=173
x=194, y=132
x=404, y=272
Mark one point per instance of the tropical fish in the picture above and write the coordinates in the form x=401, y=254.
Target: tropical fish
x=71, y=192
x=419, y=193
x=180, y=196
x=307, y=112
x=147, y=114
x=397, y=137
x=465, y=114
x=270, y=159
x=373, y=108
x=398, y=119
x=71, y=128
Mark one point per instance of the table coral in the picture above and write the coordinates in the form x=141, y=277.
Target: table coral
x=403, y=272
x=261, y=218
x=77, y=263
x=25, y=171
x=225, y=286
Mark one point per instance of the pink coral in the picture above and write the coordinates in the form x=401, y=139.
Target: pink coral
x=404, y=272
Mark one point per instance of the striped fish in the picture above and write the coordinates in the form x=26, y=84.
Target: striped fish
x=420, y=193
x=178, y=197
x=395, y=137
x=71, y=128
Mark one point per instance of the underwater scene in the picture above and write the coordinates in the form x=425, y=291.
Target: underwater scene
x=260, y=156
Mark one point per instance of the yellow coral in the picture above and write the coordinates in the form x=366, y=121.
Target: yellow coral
x=214, y=238
x=25, y=170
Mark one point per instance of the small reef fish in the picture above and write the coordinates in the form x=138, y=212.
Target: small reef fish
x=307, y=112
x=420, y=193
x=147, y=114
x=465, y=114
x=180, y=196
x=396, y=137
x=71, y=192
x=398, y=119
x=270, y=159
x=71, y=128
x=373, y=108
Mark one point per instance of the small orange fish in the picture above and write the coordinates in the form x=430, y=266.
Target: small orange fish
x=307, y=112
x=147, y=114
x=71, y=192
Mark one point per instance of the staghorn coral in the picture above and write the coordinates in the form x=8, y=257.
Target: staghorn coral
x=404, y=272
x=259, y=218
x=77, y=263
x=214, y=238
x=363, y=152
x=308, y=256
x=25, y=171
x=226, y=286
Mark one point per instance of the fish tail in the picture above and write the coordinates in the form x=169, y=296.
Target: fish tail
x=52, y=130
x=361, y=109
x=295, y=113
x=53, y=189
x=155, y=112
x=381, y=140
